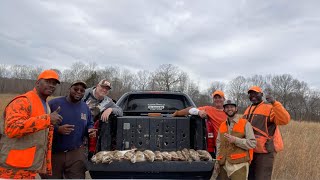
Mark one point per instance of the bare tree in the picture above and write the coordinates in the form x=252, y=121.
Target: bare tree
x=237, y=90
x=79, y=71
x=314, y=106
x=283, y=85
x=215, y=85
x=4, y=70
x=20, y=71
x=142, y=79
x=183, y=82
x=258, y=80
x=167, y=77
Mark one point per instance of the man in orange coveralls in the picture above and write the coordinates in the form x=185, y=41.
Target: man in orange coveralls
x=26, y=131
x=214, y=115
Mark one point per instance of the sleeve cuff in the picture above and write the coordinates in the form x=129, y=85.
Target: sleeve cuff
x=194, y=111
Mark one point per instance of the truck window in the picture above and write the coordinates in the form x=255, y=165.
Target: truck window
x=156, y=102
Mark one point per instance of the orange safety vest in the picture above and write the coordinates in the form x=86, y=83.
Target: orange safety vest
x=264, y=129
x=229, y=151
x=27, y=152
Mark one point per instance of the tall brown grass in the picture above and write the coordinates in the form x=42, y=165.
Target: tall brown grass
x=298, y=160
x=4, y=100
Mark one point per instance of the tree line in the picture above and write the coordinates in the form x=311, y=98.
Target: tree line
x=298, y=98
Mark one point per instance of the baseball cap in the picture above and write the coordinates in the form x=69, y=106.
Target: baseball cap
x=79, y=82
x=256, y=89
x=229, y=102
x=218, y=92
x=49, y=74
x=105, y=83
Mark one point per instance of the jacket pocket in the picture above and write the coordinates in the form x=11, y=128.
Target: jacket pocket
x=22, y=158
x=261, y=144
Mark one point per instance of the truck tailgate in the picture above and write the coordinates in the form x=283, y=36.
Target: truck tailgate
x=156, y=169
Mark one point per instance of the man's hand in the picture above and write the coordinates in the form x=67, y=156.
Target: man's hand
x=230, y=138
x=55, y=117
x=270, y=98
x=175, y=114
x=92, y=132
x=202, y=114
x=65, y=129
x=105, y=115
x=216, y=170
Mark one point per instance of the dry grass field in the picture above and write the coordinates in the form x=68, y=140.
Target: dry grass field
x=299, y=160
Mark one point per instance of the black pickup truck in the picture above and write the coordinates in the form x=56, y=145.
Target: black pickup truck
x=148, y=124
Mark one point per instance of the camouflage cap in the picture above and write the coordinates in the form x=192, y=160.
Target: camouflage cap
x=229, y=102
x=105, y=83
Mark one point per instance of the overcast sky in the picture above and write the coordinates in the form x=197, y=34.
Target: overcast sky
x=210, y=40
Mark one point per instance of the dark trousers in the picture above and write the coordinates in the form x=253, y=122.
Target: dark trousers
x=68, y=165
x=261, y=166
x=240, y=174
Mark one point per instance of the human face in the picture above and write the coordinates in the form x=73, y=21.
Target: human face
x=255, y=97
x=218, y=101
x=230, y=110
x=102, y=91
x=76, y=92
x=46, y=87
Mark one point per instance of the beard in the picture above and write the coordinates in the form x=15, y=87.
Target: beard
x=231, y=114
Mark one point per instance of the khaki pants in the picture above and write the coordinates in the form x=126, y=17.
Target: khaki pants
x=69, y=165
x=261, y=166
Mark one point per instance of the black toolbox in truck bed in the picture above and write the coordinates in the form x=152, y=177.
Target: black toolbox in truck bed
x=148, y=124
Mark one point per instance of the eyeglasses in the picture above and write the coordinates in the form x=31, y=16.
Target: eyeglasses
x=82, y=90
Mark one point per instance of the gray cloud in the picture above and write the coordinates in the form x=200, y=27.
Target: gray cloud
x=210, y=40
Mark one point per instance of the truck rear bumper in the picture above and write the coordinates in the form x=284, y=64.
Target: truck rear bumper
x=152, y=170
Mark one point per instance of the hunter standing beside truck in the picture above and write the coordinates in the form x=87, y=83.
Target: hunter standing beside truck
x=68, y=159
x=235, y=143
x=101, y=106
x=264, y=119
x=214, y=115
x=27, y=131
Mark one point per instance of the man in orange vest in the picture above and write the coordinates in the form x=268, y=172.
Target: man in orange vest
x=264, y=118
x=235, y=143
x=214, y=115
x=27, y=131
